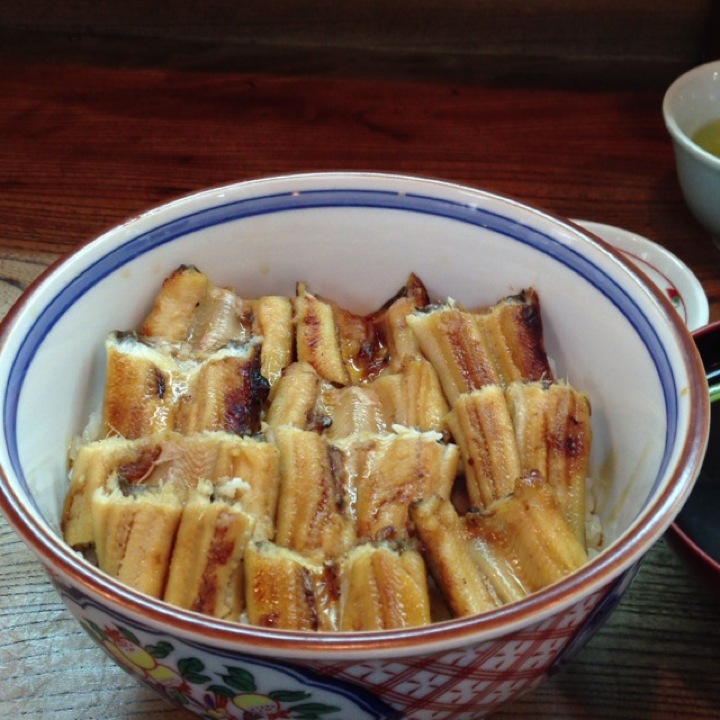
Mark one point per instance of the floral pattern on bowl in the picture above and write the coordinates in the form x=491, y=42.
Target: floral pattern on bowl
x=239, y=688
x=217, y=685
x=236, y=696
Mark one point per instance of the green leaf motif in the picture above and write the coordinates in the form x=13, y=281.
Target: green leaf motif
x=160, y=650
x=240, y=680
x=311, y=711
x=129, y=636
x=196, y=678
x=288, y=696
x=191, y=669
x=222, y=691
x=178, y=697
x=190, y=665
x=95, y=631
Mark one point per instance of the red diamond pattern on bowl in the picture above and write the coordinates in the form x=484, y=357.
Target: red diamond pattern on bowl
x=447, y=685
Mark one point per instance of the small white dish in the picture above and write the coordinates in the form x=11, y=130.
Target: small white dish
x=666, y=270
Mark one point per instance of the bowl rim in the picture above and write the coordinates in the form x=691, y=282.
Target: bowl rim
x=59, y=559
x=676, y=132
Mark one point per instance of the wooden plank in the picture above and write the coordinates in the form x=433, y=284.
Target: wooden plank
x=517, y=40
x=631, y=28
x=84, y=146
x=17, y=270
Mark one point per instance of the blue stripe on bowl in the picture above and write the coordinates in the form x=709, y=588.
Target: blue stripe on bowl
x=293, y=201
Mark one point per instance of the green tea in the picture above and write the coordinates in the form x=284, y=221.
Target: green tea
x=708, y=137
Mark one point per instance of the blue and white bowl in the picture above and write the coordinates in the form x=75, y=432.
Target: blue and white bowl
x=355, y=238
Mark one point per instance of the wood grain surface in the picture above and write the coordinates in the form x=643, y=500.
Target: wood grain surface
x=628, y=36
x=85, y=145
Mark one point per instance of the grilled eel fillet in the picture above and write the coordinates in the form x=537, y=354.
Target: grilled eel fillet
x=346, y=348
x=151, y=387
x=243, y=471
x=185, y=550
x=296, y=397
x=176, y=306
x=286, y=590
x=206, y=566
x=353, y=410
x=329, y=386
x=520, y=544
x=554, y=435
x=273, y=321
x=190, y=309
x=134, y=535
x=529, y=532
x=171, y=516
x=494, y=346
x=411, y=397
x=535, y=428
x=334, y=494
x=305, y=401
x=317, y=337
x=383, y=588
x=311, y=518
x=356, y=488
x=372, y=587
x=382, y=475
x=449, y=557
x=393, y=326
x=481, y=425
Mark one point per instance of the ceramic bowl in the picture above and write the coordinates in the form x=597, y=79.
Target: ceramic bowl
x=355, y=238
x=671, y=275
x=689, y=103
x=696, y=531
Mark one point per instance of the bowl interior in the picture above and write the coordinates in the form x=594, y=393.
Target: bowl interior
x=355, y=239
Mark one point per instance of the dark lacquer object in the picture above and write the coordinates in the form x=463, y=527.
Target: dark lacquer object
x=695, y=535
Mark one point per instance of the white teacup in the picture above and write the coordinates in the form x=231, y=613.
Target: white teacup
x=691, y=102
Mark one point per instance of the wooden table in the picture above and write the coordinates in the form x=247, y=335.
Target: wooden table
x=84, y=145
